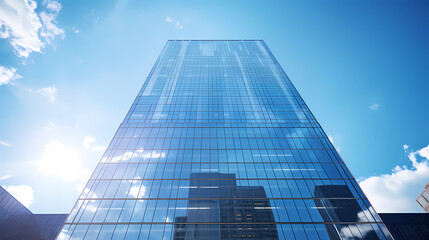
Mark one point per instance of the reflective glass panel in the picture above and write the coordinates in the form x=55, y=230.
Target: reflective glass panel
x=218, y=144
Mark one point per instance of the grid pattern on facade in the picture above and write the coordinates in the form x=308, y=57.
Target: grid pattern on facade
x=218, y=144
x=50, y=224
x=17, y=222
x=404, y=226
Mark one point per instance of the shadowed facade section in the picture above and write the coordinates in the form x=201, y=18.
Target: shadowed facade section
x=19, y=223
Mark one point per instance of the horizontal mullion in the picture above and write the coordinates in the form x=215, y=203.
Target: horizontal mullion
x=214, y=223
x=308, y=198
x=230, y=179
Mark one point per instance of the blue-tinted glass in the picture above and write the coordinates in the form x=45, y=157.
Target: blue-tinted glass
x=218, y=144
x=93, y=232
x=106, y=232
x=17, y=222
x=119, y=232
x=133, y=232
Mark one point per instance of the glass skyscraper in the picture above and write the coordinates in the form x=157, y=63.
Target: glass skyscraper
x=218, y=144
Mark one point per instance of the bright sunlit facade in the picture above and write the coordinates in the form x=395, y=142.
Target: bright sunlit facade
x=218, y=144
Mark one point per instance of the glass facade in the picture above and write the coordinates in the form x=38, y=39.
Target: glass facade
x=19, y=223
x=405, y=226
x=50, y=224
x=218, y=144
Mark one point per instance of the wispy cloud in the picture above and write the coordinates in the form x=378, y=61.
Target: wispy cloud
x=21, y=24
x=75, y=30
x=179, y=25
x=176, y=23
x=8, y=74
x=406, y=147
x=49, y=92
x=87, y=141
x=397, y=191
x=5, y=177
x=6, y=144
x=23, y=193
x=374, y=107
x=26, y=30
x=50, y=30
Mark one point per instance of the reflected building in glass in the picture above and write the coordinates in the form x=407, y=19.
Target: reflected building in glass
x=218, y=144
x=217, y=198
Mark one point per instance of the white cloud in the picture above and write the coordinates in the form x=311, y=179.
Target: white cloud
x=98, y=148
x=375, y=106
x=52, y=5
x=62, y=161
x=75, y=30
x=50, y=31
x=49, y=92
x=134, y=191
x=28, y=31
x=23, y=193
x=8, y=74
x=5, y=177
x=337, y=147
x=397, y=191
x=179, y=25
x=424, y=152
x=20, y=23
x=87, y=141
x=80, y=187
x=406, y=147
x=176, y=23
x=6, y=144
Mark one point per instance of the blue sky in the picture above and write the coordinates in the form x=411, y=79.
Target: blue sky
x=69, y=71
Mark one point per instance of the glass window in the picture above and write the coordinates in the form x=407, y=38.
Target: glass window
x=119, y=232
x=219, y=134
